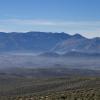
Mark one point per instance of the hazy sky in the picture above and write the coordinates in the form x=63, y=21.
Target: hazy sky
x=70, y=16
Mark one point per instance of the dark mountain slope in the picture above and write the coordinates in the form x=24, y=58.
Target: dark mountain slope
x=30, y=41
x=47, y=42
x=79, y=44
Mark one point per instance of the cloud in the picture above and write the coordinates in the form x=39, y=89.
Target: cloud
x=26, y=22
x=4, y=30
x=87, y=28
x=49, y=23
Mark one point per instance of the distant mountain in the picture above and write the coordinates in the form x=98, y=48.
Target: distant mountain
x=30, y=41
x=80, y=54
x=78, y=43
x=70, y=54
x=47, y=42
x=49, y=54
x=71, y=44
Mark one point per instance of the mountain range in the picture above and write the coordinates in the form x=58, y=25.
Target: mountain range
x=47, y=42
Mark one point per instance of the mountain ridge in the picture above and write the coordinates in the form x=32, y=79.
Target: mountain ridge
x=47, y=42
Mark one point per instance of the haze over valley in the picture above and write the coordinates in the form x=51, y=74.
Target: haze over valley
x=49, y=49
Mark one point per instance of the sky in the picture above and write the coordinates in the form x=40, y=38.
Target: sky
x=70, y=16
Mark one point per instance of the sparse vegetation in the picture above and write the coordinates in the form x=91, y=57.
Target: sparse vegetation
x=52, y=88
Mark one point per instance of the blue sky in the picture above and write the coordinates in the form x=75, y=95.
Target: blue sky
x=70, y=16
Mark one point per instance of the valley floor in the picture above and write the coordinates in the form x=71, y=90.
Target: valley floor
x=55, y=88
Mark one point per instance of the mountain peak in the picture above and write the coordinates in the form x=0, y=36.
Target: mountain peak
x=78, y=36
